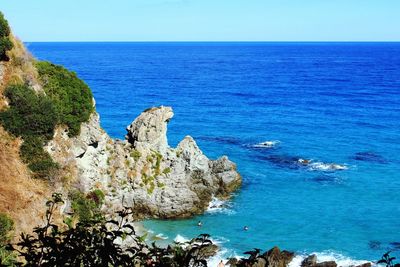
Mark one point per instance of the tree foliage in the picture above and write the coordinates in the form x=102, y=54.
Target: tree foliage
x=388, y=260
x=98, y=241
x=5, y=42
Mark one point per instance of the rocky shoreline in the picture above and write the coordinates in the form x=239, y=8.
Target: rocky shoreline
x=276, y=257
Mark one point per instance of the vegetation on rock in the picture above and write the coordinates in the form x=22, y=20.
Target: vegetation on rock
x=5, y=42
x=33, y=117
x=87, y=207
x=70, y=95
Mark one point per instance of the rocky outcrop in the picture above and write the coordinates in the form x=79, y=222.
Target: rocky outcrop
x=143, y=171
x=277, y=258
x=311, y=261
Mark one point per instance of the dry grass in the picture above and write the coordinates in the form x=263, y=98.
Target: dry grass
x=21, y=197
x=22, y=65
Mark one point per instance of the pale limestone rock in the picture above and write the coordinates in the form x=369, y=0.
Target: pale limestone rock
x=143, y=172
x=149, y=130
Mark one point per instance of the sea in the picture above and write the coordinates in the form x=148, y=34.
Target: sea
x=314, y=129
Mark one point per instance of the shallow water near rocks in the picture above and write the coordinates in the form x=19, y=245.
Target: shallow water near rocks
x=325, y=102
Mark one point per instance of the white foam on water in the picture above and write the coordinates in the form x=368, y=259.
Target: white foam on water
x=342, y=261
x=267, y=144
x=223, y=253
x=219, y=206
x=321, y=166
x=161, y=236
x=180, y=239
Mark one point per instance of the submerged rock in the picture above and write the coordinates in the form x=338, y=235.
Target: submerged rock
x=292, y=162
x=143, y=171
x=369, y=157
x=325, y=179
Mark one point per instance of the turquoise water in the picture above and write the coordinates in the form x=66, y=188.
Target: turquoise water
x=329, y=102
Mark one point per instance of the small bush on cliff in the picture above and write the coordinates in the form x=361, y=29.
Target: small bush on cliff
x=7, y=258
x=29, y=114
x=87, y=207
x=32, y=117
x=5, y=42
x=71, y=96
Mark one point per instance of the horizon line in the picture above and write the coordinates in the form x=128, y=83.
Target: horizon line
x=180, y=41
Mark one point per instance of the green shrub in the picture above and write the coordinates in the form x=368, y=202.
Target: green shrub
x=4, y=27
x=5, y=42
x=5, y=45
x=33, y=117
x=29, y=114
x=7, y=258
x=87, y=207
x=97, y=196
x=71, y=96
x=6, y=227
x=167, y=170
x=135, y=154
x=38, y=160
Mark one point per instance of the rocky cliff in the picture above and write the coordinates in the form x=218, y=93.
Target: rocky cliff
x=143, y=171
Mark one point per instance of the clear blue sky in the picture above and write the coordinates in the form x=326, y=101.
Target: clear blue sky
x=204, y=20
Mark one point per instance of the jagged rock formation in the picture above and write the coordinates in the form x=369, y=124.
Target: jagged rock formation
x=142, y=171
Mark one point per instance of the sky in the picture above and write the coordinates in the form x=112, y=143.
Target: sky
x=204, y=20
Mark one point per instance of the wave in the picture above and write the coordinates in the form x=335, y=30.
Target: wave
x=321, y=166
x=225, y=254
x=293, y=162
x=219, y=206
x=160, y=236
x=267, y=144
x=181, y=239
x=340, y=259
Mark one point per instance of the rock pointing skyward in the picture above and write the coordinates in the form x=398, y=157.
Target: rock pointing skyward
x=143, y=171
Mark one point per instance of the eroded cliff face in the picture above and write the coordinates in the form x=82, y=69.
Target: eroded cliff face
x=143, y=171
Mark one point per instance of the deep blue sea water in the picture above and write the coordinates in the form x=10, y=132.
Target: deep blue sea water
x=322, y=101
